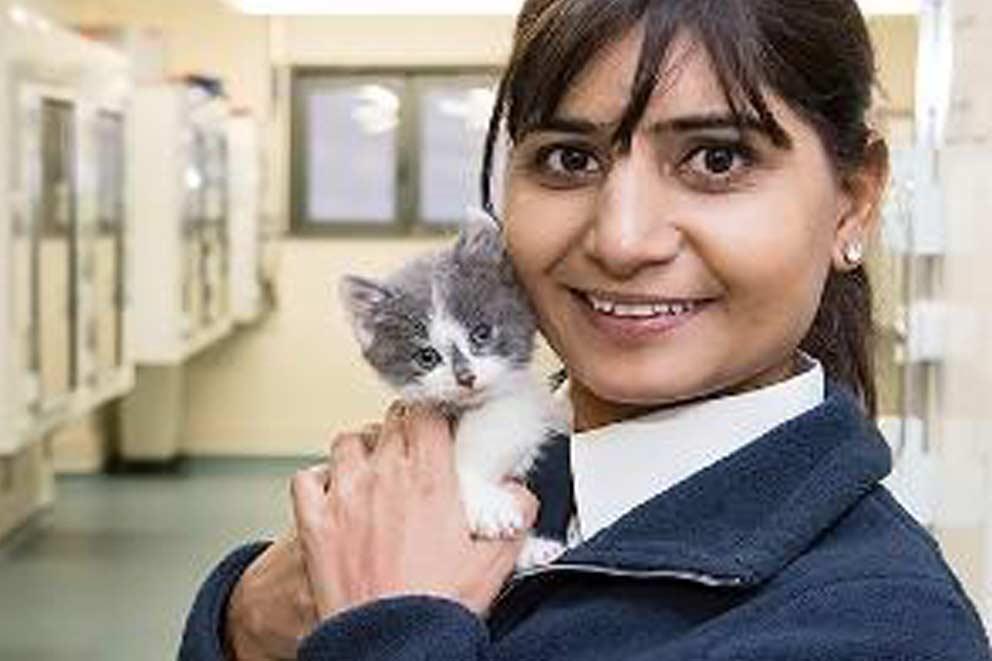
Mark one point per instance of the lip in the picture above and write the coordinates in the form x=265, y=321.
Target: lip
x=636, y=330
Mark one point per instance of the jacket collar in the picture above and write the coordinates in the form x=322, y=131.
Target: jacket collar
x=745, y=517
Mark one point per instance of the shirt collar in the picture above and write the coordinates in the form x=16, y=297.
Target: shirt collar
x=620, y=466
x=749, y=515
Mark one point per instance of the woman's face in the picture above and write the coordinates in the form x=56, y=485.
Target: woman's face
x=690, y=265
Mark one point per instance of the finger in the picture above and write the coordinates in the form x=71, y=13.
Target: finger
x=430, y=437
x=370, y=434
x=347, y=450
x=349, y=464
x=392, y=439
x=308, y=490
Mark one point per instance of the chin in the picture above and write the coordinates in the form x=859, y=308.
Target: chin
x=657, y=387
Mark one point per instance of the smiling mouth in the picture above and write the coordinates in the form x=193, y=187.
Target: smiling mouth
x=640, y=307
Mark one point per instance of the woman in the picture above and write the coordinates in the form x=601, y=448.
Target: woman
x=689, y=190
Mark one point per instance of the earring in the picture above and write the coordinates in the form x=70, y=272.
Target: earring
x=854, y=253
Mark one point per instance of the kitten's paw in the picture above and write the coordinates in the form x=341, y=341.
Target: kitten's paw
x=539, y=551
x=526, y=461
x=492, y=511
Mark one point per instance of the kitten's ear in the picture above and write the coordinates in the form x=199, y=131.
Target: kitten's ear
x=361, y=298
x=481, y=235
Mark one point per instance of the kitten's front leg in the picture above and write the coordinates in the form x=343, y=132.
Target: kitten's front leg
x=492, y=510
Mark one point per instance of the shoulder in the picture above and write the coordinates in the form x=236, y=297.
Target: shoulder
x=876, y=538
x=873, y=586
x=884, y=618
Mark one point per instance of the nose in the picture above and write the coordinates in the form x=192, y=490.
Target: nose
x=632, y=228
x=465, y=379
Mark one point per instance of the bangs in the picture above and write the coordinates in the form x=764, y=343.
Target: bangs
x=562, y=40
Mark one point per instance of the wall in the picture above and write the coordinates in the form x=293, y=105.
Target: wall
x=965, y=167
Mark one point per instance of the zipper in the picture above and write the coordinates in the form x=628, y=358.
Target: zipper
x=597, y=570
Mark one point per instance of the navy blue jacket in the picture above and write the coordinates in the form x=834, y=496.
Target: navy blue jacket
x=787, y=550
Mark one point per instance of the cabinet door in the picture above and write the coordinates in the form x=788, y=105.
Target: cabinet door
x=109, y=246
x=56, y=252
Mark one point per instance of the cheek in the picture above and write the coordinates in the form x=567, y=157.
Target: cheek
x=542, y=225
x=773, y=256
x=542, y=228
x=488, y=370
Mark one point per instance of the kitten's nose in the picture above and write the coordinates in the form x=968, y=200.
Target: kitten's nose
x=465, y=379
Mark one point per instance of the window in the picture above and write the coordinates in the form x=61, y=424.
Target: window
x=387, y=152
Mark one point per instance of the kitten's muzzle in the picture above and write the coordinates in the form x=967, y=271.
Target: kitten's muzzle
x=465, y=379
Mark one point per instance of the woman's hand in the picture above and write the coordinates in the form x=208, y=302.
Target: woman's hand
x=385, y=519
x=271, y=607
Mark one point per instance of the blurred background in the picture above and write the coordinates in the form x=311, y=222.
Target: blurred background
x=183, y=182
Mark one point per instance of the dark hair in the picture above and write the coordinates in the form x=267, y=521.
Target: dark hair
x=816, y=55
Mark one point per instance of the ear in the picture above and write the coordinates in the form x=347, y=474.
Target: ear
x=361, y=298
x=481, y=235
x=864, y=190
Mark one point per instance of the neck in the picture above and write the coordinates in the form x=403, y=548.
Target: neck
x=593, y=411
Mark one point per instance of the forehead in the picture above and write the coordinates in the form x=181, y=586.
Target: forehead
x=687, y=82
x=688, y=86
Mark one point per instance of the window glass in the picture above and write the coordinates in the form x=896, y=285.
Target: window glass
x=351, y=153
x=387, y=151
x=454, y=116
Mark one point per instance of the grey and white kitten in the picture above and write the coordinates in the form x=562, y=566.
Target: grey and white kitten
x=454, y=329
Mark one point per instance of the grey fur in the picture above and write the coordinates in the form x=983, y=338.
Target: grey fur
x=475, y=281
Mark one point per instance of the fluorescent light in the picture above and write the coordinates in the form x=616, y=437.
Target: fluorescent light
x=890, y=7
x=379, y=7
x=18, y=15
x=462, y=7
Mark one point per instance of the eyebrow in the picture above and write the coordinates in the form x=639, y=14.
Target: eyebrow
x=684, y=124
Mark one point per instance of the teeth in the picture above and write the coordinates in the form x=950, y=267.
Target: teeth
x=601, y=306
x=624, y=310
x=640, y=311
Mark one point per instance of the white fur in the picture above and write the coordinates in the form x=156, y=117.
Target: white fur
x=495, y=438
x=504, y=422
x=500, y=439
x=539, y=551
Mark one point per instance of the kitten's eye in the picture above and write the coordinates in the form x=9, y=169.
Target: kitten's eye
x=481, y=335
x=428, y=358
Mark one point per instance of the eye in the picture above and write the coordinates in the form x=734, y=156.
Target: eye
x=716, y=164
x=428, y=358
x=719, y=161
x=481, y=335
x=568, y=161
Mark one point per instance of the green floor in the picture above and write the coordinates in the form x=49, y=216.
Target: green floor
x=110, y=571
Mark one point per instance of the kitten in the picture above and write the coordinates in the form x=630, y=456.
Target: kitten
x=454, y=329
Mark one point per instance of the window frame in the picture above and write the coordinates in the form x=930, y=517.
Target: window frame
x=407, y=221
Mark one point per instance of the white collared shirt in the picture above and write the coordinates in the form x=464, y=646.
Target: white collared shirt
x=620, y=466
